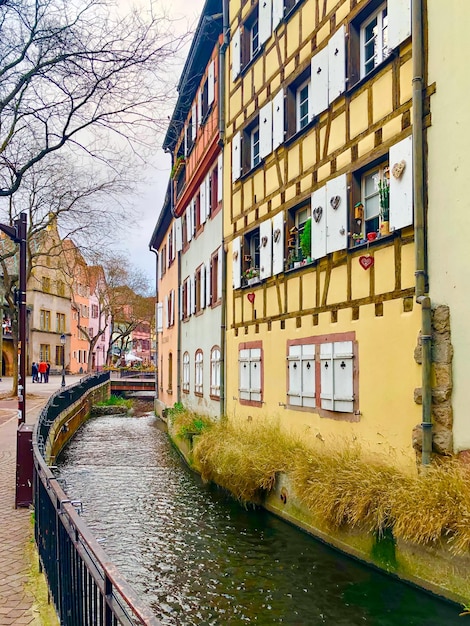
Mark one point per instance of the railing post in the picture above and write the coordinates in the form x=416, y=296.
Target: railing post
x=108, y=592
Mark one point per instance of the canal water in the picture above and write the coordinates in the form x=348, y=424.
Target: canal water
x=199, y=558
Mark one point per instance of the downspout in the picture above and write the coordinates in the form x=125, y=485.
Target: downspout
x=155, y=251
x=178, y=336
x=421, y=273
x=222, y=269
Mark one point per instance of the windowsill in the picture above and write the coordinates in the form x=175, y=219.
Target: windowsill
x=299, y=133
x=251, y=170
x=301, y=266
x=256, y=403
x=214, y=397
x=215, y=304
x=253, y=59
x=325, y=413
x=199, y=394
x=371, y=74
x=367, y=244
x=169, y=392
x=185, y=390
x=291, y=12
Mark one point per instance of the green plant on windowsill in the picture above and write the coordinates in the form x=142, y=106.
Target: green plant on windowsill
x=251, y=272
x=306, y=239
x=178, y=163
x=384, y=200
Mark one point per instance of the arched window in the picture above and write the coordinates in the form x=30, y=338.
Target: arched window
x=215, y=372
x=186, y=372
x=198, y=371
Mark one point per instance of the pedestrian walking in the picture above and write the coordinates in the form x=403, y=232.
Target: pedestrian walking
x=42, y=368
x=34, y=372
x=48, y=369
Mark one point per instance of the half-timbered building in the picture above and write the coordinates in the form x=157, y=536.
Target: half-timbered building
x=318, y=220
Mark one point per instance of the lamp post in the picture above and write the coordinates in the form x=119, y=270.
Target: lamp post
x=63, y=339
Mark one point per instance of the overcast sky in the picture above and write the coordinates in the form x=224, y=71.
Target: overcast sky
x=186, y=12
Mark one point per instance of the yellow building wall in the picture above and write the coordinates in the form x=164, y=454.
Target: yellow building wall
x=335, y=294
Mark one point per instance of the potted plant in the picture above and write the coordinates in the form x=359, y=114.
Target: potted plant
x=251, y=275
x=306, y=239
x=384, y=201
x=180, y=161
x=358, y=238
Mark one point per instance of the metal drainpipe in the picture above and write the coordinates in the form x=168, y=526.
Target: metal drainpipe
x=155, y=251
x=421, y=274
x=222, y=268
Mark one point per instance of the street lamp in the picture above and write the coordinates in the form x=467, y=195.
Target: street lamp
x=63, y=339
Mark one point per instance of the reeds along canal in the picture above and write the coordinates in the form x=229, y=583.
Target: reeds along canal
x=200, y=558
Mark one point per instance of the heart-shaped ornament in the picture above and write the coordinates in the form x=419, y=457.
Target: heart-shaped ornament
x=317, y=213
x=251, y=297
x=277, y=235
x=335, y=201
x=398, y=169
x=366, y=261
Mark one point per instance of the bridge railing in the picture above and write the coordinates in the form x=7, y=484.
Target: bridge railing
x=86, y=588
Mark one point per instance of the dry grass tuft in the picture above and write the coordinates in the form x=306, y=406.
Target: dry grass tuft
x=244, y=457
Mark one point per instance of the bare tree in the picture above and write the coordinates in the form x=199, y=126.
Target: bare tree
x=77, y=73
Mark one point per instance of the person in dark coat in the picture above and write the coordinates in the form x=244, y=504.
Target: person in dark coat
x=34, y=372
x=48, y=368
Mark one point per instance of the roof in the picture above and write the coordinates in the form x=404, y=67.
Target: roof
x=207, y=33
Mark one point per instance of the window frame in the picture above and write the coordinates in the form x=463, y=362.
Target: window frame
x=45, y=320
x=384, y=53
x=215, y=373
x=186, y=374
x=199, y=372
x=252, y=347
x=357, y=220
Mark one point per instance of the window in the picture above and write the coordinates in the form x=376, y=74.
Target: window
x=60, y=322
x=59, y=355
x=46, y=284
x=251, y=255
x=45, y=320
x=301, y=375
x=189, y=135
x=215, y=372
x=302, y=110
x=250, y=373
x=44, y=352
x=374, y=40
x=370, y=194
x=94, y=311
x=186, y=372
x=215, y=278
x=254, y=147
x=199, y=286
x=372, y=183
x=213, y=190
x=253, y=33
x=298, y=245
x=250, y=147
x=198, y=373
x=60, y=288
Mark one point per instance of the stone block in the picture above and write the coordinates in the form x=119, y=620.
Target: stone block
x=443, y=374
x=442, y=352
x=441, y=319
x=442, y=414
x=442, y=440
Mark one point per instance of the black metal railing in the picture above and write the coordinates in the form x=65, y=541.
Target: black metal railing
x=86, y=588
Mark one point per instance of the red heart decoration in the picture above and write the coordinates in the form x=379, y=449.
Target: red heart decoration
x=366, y=261
x=251, y=297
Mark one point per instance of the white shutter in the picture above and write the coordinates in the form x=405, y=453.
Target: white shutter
x=188, y=297
x=178, y=236
x=199, y=107
x=220, y=177
x=236, y=156
x=202, y=287
x=219, y=272
x=326, y=376
x=202, y=202
x=278, y=119
x=172, y=295
x=168, y=246
x=399, y=21
x=173, y=241
x=236, y=262
x=401, y=188
x=255, y=374
x=208, y=194
x=244, y=374
x=193, y=294
x=278, y=12
x=266, y=130
x=208, y=284
x=319, y=213
x=236, y=48
x=336, y=64
x=278, y=243
x=343, y=376
x=308, y=375
x=194, y=122
x=159, y=317
x=294, y=376
x=319, y=81
x=159, y=265
x=211, y=83
x=265, y=20
x=181, y=303
x=336, y=214
x=266, y=249
x=189, y=221
x=165, y=313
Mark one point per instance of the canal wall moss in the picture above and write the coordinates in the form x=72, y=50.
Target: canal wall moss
x=355, y=504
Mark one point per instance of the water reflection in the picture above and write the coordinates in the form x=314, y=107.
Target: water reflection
x=200, y=558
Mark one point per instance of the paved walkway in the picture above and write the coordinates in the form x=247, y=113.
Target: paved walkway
x=16, y=531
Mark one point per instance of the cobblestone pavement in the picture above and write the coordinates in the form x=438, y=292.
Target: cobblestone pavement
x=16, y=531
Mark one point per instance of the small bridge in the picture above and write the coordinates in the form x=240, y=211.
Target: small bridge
x=133, y=384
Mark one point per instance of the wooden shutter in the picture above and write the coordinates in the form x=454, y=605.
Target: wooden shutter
x=399, y=21
x=208, y=284
x=294, y=376
x=235, y=49
x=203, y=202
x=401, y=188
x=244, y=374
x=319, y=216
x=165, y=313
x=202, y=287
x=178, y=235
x=192, y=299
x=160, y=317
x=336, y=64
x=319, y=81
x=255, y=374
x=278, y=243
x=343, y=376
x=220, y=177
x=236, y=262
x=278, y=119
x=194, y=122
x=337, y=214
x=236, y=156
x=278, y=12
x=326, y=376
x=211, y=83
x=266, y=130
x=265, y=20
x=189, y=221
x=266, y=249
x=308, y=375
